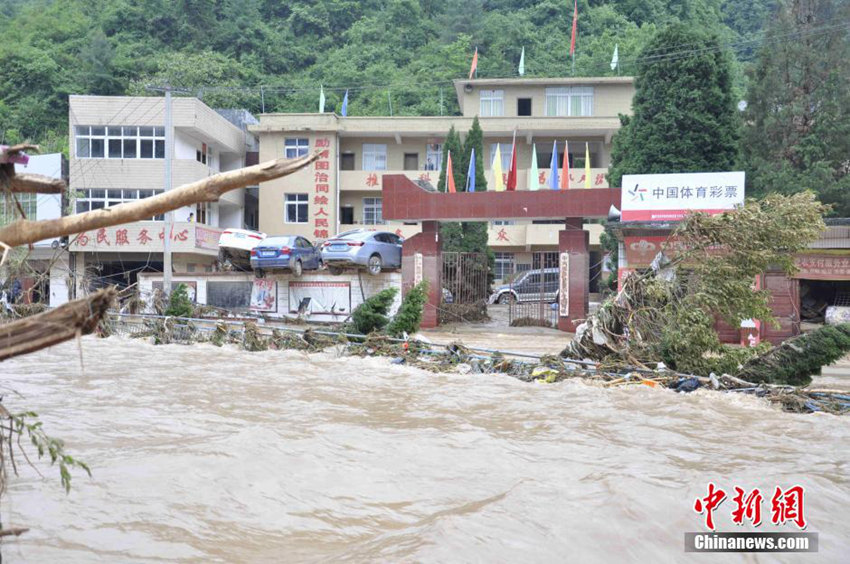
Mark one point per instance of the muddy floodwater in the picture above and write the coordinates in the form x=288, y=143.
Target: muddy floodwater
x=206, y=454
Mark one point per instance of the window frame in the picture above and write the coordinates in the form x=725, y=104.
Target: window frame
x=373, y=154
x=99, y=198
x=127, y=141
x=569, y=101
x=297, y=200
x=491, y=103
x=294, y=147
x=375, y=207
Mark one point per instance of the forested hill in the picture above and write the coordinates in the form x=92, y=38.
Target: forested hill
x=227, y=49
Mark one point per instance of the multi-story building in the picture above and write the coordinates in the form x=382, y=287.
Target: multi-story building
x=343, y=189
x=118, y=154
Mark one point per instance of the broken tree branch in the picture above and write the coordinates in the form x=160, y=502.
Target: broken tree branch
x=36, y=184
x=209, y=189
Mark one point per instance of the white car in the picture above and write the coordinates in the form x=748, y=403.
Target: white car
x=235, y=245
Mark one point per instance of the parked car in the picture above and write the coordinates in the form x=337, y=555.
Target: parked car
x=234, y=247
x=375, y=250
x=293, y=252
x=541, y=284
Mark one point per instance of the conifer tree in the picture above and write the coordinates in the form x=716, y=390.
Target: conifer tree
x=684, y=117
x=797, y=123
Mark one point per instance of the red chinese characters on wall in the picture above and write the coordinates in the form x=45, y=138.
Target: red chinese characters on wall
x=321, y=225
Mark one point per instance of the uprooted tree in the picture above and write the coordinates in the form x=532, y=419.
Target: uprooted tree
x=706, y=272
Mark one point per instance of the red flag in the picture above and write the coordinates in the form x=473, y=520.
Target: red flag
x=474, y=63
x=575, y=21
x=450, y=177
x=565, y=168
x=512, y=172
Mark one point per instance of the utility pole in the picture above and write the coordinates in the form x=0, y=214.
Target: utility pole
x=169, y=216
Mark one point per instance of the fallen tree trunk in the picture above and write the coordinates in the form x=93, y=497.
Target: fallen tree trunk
x=26, y=231
x=79, y=317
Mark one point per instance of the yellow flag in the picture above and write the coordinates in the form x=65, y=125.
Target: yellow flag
x=586, y=165
x=497, y=171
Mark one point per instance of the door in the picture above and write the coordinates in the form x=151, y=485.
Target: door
x=395, y=249
x=529, y=288
x=551, y=284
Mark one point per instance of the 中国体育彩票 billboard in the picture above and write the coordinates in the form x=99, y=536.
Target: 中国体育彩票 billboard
x=668, y=197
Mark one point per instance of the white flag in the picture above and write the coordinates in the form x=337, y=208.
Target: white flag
x=615, y=60
x=322, y=100
x=522, y=63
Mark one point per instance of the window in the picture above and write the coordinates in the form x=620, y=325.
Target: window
x=124, y=142
x=204, y=154
x=434, y=156
x=492, y=103
x=346, y=161
x=523, y=107
x=295, y=147
x=374, y=157
x=411, y=161
x=503, y=222
x=373, y=211
x=9, y=211
x=296, y=208
x=545, y=260
x=95, y=199
x=569, y=101
x=505, y=151
x=504, y=265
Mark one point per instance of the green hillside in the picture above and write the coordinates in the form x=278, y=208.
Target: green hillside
x=226, y=50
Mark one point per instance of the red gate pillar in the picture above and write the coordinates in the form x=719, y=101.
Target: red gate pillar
x=573, y=244
x=422, y=259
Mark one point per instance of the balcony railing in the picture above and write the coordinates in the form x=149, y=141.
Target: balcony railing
x=370, y=180
x=149, y=236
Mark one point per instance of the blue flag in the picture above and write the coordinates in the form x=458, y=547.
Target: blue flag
x=553, y=173
x=470, y=174
x=344, y=110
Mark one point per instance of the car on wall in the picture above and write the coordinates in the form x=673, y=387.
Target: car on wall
x=374, y=250
x=541, y=284
x=291, y=252
x=234, y=247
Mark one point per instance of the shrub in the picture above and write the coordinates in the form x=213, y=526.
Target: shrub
x=409, y=315
x=179, y=304
x=371, y=315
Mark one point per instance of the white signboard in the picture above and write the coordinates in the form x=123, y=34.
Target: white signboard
x=320, y=298
x=668, y=197
x=564, y=285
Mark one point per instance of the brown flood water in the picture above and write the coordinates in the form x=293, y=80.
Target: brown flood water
x=206, y=454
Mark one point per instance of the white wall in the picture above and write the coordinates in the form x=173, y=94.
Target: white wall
x=60, y=280
x=49, y=206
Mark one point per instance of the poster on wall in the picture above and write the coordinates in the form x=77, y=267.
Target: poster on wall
x=264, y=295
x=320, y=298
x=668, y=197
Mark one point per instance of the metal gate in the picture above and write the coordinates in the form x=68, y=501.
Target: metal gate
x=465, y=288
x=534, y=292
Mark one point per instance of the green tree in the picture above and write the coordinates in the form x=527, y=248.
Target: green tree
x=409, y=314
x=371, y=315
x=684, y=112
x=797, y=122
x=179, y=304
x=475, y=140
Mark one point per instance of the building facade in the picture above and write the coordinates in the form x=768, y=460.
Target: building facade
x=118, y=154
x=342, y=190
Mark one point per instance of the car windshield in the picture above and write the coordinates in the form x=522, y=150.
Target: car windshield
x=278, y=242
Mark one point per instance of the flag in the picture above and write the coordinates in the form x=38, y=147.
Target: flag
x=470, y=173
x=321, y=99
x=474, y=66
x=586, y=165
x=497, y=170
x=565, y=168
x=534, y=174
x=553, y=173
x=450, y=177
x=521, y=69
x=512, y=171
x=575, y=29
x=615, y=60
x=344, y=110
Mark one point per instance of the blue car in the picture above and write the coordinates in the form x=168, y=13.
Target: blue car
x=294, y=253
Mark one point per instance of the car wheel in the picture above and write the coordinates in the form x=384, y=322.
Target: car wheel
x=335, y=270
x=297, y=268
x=506, y=298
x=375, y=264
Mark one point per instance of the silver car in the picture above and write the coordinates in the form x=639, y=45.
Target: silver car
x=376, y=250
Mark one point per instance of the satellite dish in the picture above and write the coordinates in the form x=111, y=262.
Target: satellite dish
x=742, y=105
x=613, y=214
x=468, y=88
